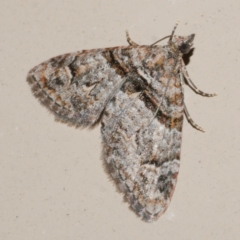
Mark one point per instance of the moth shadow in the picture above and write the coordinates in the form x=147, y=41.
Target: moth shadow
x=186, y=57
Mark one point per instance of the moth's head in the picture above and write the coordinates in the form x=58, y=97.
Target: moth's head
x=184, y=44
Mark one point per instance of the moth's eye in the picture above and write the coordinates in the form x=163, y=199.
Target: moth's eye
x=184, y=48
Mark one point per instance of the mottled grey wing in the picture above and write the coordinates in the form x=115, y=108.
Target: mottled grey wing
x=142, y=154
x=76, y=87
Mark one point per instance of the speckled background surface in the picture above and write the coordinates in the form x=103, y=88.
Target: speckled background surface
x=53, y=185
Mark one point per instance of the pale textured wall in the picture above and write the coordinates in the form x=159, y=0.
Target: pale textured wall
x=53, y=185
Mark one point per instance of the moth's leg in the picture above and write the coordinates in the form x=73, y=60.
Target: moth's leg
x=130, y=40
x=192, y=85
x=190, y=119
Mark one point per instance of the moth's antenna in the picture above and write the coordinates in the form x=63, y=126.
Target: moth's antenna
x=160, y=40
x=169, y=36
x=174, y=29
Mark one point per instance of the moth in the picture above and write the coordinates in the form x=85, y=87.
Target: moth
x=136, y=93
